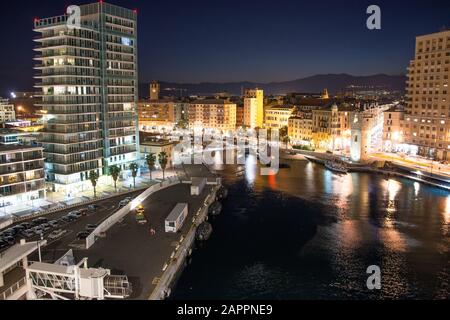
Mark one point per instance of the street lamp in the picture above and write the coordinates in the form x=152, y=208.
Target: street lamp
x=39, y=247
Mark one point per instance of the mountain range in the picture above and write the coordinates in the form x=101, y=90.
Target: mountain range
x=313, y=84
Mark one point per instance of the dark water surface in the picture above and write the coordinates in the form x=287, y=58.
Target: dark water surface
x=308, y=233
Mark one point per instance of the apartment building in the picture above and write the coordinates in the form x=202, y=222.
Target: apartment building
x=89, y=91
x=254, y=108
x=427, y=113
x=240, y=116
x=332, y=127
x=7, y=112
x=393, y=129
x=300, y=128
x=213, y=114
x=277, y=117
x=22, y=177
x=161, y=113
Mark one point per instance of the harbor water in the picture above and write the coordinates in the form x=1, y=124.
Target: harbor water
x=309, y=233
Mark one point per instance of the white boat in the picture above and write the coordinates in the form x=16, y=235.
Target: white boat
x=336, y=167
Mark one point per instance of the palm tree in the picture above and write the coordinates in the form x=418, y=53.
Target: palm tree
x=150, y=159
x=163, y=159
x=134, y=170
x=93, y=176
x=114, y=171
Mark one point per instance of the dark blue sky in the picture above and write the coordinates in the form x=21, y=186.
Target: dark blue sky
x=231, y=40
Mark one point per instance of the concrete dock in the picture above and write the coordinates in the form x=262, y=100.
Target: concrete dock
x=153, y=261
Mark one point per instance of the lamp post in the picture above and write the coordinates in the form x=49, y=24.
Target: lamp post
x=39, y=247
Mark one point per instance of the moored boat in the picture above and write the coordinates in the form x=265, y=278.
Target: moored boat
x=335, y=166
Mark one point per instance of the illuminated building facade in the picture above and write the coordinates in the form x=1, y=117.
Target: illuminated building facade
x=277, y=117
x=300, y=128
x=427, y=113
x=88, y=79
x=22, y=177
x=254, y=108
x=213, y=114
x=7, y=112
x=393, y=129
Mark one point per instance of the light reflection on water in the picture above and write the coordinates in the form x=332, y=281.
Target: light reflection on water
x=308, y=233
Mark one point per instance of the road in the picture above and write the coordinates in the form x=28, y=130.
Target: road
x=107, y=207
x=415, y=163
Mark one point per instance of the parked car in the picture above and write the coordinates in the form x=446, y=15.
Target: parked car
x=93, y=207
x=26, y=225
x=27, y=233
x=123, y=203
x=9, y=240
x=56, y=234
x=45, y=227
x=72, y=218
x=3, y=244
x=82, y=235
x=9, y=232
x=39, y=221
x=53, y=223
x=91, y=227
x=18, y=228
x=37, y=230
x=76, y=214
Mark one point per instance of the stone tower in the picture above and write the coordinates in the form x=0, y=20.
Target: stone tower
x=154, y=90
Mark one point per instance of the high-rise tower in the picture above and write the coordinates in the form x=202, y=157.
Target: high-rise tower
x=254, y=108
x=426, y=125
x=88, y=77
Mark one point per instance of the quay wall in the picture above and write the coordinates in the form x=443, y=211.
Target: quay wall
x=183, y=249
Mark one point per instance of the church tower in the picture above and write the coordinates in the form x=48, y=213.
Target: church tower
x=154, y=90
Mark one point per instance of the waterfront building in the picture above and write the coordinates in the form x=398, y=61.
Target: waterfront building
x=393, y=129
x=427, y=111
x=331, y=127
x=367, y=131
x=254, y=108
x=7, y=112
x=277, y=117
x=89, y=91
x=156, y=146
x=212, y=114
x=240, y=116
x=22, y=179
x=300, y=128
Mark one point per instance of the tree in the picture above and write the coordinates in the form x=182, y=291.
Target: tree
x=284, y=135
x=93, y=176
x=183, y=124
x=114, y=171
x=150, y=159
x=134, y=170
x=163, y=159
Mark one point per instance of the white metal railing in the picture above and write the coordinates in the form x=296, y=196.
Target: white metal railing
x=14, y=288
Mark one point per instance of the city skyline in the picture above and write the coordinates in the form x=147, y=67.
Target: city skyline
x=311, y=39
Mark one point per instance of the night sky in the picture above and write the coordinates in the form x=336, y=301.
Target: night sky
x=230, y=40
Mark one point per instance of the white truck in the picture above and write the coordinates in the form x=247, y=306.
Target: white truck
x=175, y=220
x=197, y=186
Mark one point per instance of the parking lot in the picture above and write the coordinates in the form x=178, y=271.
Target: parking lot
x=69, y=228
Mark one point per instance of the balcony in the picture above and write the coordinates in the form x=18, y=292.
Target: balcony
x=114, y=151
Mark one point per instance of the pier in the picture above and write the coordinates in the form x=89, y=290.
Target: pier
x=153, y=260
